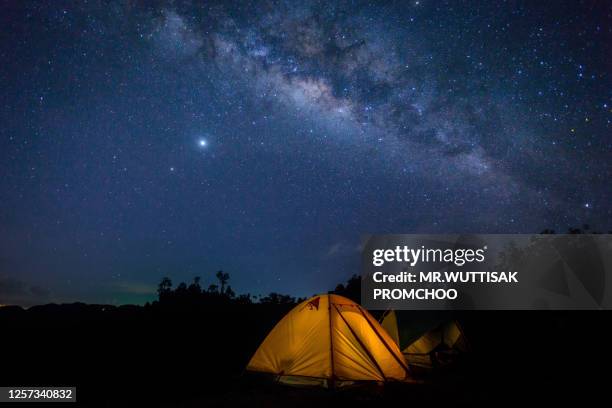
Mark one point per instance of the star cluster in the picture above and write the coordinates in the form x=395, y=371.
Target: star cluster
x=264, y=138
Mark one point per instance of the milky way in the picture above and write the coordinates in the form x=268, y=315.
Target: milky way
x=265, y=138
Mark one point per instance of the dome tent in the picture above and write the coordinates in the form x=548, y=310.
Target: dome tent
x=426, y=339
x=330, y=341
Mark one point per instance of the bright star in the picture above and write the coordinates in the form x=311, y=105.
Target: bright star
x=202, y=142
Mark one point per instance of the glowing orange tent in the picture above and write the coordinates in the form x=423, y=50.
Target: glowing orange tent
x=331, y=341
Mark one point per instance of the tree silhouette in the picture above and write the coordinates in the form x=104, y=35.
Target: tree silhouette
x=181, y=290
x=277, y=299
x=164, y=287
x=351, y=290
x=244, y=299
x=195, y=288
x=223, y=277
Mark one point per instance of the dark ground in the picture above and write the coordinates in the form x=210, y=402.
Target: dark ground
x=194, y=355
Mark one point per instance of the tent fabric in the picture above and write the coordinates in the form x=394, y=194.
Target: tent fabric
x=329, y=337
x=441, y=339
x=389, y=323
x=410, y=325
x=448, y=334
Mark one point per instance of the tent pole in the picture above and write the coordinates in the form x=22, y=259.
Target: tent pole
x=361, y=344
x=401, y=363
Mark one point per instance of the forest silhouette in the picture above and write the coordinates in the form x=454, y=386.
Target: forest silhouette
x=191, y=345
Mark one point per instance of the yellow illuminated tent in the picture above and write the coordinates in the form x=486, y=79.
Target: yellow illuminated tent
x=426, y=341
x=331, y=341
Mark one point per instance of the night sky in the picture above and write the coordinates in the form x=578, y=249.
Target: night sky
x=264, y=138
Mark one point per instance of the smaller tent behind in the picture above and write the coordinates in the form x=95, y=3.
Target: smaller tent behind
x=427, y=339
x=330, y=341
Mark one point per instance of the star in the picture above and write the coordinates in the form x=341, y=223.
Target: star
x=357, y=105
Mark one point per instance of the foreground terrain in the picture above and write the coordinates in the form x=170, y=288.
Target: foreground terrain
x=194, y=355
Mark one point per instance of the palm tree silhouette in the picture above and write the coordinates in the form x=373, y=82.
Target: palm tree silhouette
x=223, y=278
